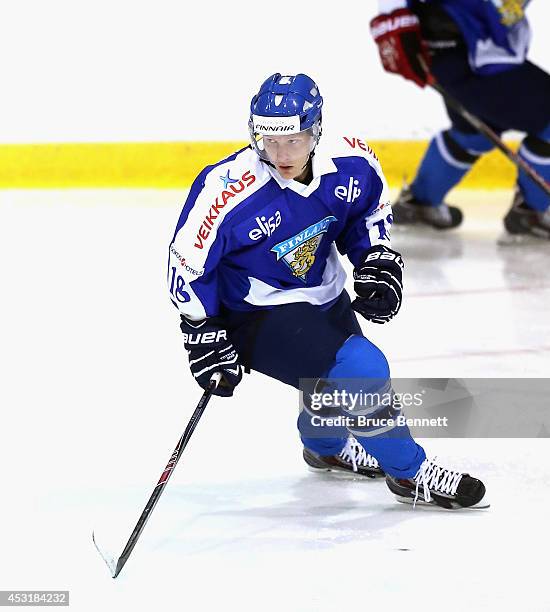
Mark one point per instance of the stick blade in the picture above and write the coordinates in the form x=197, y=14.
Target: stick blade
x=110, y=560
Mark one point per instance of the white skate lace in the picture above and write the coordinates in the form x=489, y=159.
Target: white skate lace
x=432, y=476
x=357, y=455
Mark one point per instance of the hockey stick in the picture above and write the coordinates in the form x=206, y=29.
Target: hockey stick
x=115, y=565
x=484, y=129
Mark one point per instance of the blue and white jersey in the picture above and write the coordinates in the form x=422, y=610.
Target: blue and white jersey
x=248, y=239
x=496, y=32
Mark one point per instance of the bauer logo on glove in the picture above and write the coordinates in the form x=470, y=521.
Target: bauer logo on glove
x=400, y=44
x=378, y=284
x=210, y=351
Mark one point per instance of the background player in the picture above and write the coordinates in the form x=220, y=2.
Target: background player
x=477, y=52
x=255, y=274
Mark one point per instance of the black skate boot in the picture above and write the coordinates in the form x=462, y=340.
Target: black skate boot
x=522, y=220
x=407, y=210
x=352, y=459
x=439, y=486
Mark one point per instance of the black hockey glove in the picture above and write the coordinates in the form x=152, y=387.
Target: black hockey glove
x=379, y=284
x=210, y=351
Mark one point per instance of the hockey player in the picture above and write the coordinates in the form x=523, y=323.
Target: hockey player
x=477, y=52
x=255, y=273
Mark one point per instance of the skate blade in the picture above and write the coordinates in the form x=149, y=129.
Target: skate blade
x=481, y=505
x=341, y=474
x=420, y=229
x=512, y=240
x=414, y=228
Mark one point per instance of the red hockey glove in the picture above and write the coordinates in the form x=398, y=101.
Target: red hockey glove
x=400, y=44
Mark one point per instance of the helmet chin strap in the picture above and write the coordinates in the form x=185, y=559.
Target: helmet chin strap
x=310, y=158
x=309, y=163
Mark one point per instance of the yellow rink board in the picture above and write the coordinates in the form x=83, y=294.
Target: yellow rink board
x=175, y=164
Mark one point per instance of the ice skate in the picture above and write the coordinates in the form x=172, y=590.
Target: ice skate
x=522, y=221
x=407, y=210
x=352, y=459
x=439, y=486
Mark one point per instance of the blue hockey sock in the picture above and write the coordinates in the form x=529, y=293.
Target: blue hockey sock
x=357, y=359
x=450, y=155
x=324, y=441
x=363, y=368
x=535, y=150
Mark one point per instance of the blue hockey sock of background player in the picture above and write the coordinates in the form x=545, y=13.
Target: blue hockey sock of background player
x=450, y=155
x=396, y=451
x=535, y=150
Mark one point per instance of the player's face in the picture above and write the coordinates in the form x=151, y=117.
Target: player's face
x=289, y=154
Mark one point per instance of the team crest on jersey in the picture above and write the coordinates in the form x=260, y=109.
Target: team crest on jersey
x=298, y=252
x=511, y=11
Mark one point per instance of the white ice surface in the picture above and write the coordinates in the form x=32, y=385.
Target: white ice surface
x=95, y=393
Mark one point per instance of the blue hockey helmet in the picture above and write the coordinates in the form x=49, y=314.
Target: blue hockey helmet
x=285, y=105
